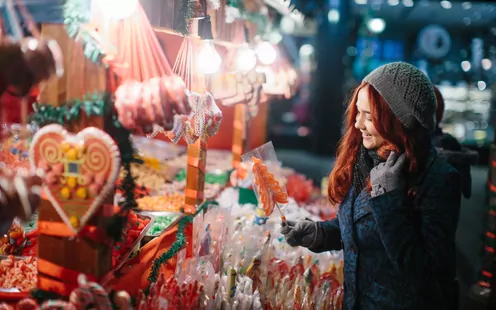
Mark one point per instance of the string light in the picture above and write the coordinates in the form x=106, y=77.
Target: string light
x=266, y=53
x=376, y=25
x=466, y=65
x=246, y=59
x=487, y=64
x=446, y=5
x=208, y=60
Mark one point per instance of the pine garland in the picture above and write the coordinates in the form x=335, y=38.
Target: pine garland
x=92, y=105
x=178, y=244
x=184, y=16
x=76, y=14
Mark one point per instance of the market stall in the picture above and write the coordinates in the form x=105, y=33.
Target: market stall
x=137, y=208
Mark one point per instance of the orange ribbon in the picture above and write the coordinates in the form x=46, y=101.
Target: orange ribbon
x=59, y=272
x=52, y=285
x=60, y=229
x=195, y=162
x=191, y=193
x=237, y=149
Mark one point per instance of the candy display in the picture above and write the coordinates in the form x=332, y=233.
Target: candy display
x=137, y=227
x=211, y=177
x=217, y=160
x=243, y=265
x=299, y=187
x=168, y=203
x=162, y=222
x=93, y=142
x=18, y=273
x=210, y=191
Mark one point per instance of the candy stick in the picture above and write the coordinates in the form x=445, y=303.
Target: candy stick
x=268, y=188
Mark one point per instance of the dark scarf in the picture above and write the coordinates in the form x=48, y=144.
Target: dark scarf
x=367, y=159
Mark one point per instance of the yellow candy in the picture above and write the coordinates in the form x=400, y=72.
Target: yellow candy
x=71, y=154
x=71, y=182
x=81, y=148
x=65, y=193
x=65, y=146
x=82, y=192
x=74, y=221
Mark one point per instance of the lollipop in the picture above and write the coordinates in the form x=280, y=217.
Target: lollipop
x=270, y=191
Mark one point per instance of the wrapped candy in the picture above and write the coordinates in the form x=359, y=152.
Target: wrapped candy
x=299, y=187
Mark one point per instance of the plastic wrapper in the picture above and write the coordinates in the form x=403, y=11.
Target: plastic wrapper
x=274, y=193
x=16, y=139
x=13, y=241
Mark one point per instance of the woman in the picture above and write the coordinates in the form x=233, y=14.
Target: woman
x=399, y=202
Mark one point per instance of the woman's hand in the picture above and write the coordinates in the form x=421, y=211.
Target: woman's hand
x=302, y=233
x=388, y=176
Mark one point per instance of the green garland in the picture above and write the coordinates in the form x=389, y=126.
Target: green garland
x=92, y=105
x=99, y=105
x=184, y=16
x=177, y=245
x=76, y=14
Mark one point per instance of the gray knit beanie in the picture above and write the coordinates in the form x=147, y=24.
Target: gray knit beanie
x=408, y=92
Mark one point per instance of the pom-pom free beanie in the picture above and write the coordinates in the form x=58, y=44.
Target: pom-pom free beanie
x=408, y=92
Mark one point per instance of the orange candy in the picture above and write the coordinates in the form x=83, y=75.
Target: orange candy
x=268, y=188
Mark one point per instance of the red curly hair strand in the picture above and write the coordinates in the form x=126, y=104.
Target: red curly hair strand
x=397, y=137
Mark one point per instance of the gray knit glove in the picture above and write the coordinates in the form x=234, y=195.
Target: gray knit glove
x=388, y=176
x=302, y=233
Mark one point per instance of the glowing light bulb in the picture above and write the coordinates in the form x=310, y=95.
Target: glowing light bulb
x=466, y=65
x=246, y=59
x=117, y=9
x=207, y=59
x=487, y=64
x=481, y=85
x=266, y=53
x=376, y=25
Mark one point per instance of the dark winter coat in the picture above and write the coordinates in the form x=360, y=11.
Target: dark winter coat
x=459, y=157
x=399, y=251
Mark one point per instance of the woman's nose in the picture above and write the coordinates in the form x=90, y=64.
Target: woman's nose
x=359, y=123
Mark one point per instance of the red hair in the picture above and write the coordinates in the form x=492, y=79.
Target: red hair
x=397, y=138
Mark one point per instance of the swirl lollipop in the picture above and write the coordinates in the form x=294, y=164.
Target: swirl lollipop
x=270, y=191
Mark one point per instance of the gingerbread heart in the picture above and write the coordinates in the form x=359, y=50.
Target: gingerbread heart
x=80, y=170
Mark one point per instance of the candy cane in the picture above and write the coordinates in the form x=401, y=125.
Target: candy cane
x=4, y=306
x=27, y=304
x=81, y=298
x=123, y=300
x=100, y=296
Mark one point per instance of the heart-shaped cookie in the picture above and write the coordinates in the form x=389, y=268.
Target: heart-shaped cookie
x=80, y=170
